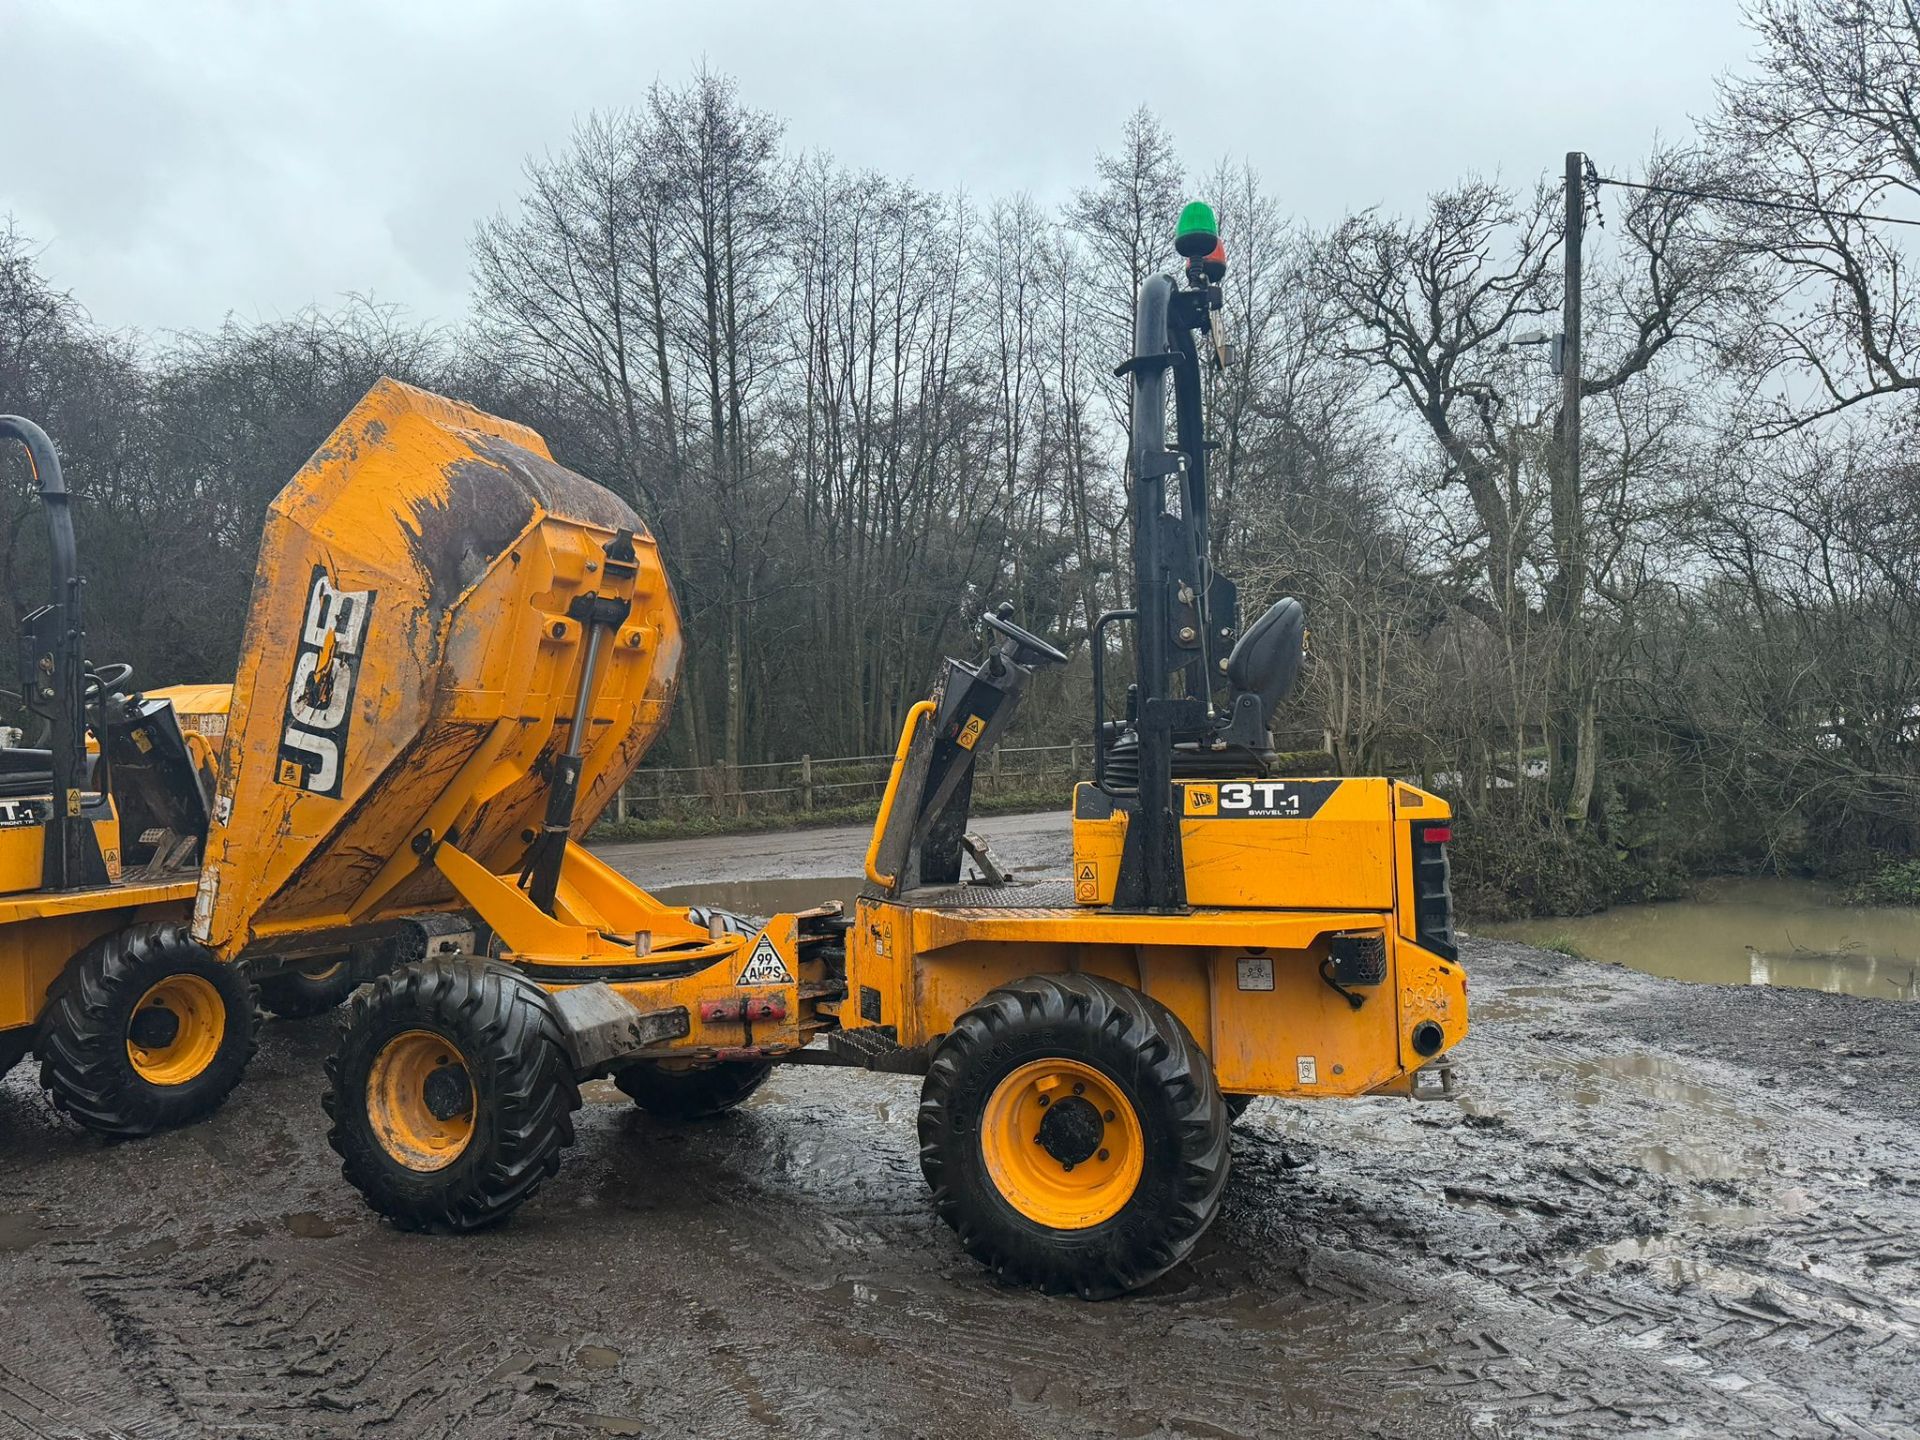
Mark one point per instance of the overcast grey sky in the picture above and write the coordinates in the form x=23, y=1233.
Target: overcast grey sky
x=180, y=160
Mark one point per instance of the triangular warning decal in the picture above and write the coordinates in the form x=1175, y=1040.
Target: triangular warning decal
x=765, y=967
x=1087, y=871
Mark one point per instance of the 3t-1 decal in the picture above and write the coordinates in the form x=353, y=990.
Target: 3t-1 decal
x=313, y=733
x=1256, y=799
x=15, y=813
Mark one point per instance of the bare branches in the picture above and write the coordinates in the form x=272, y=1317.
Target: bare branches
x=1826, y=122
x=1421, y=303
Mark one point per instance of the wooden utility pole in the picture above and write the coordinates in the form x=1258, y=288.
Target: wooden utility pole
x=1575, y=756
x=1576, y=225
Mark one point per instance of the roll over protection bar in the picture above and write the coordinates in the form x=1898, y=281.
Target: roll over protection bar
x=53, y=675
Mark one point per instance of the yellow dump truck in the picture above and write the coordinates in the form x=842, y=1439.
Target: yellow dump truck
x=101, y=828
x=457, y=651
x=135, y=1025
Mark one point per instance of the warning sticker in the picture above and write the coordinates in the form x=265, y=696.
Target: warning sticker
x=203, y=903
x=1308, y=1068
x=1256, y=972
x=765, y=967
x=1086, y=881
x=970, y=732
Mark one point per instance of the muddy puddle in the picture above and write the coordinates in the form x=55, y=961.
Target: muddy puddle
x=1749, y=932
x=21, y=1232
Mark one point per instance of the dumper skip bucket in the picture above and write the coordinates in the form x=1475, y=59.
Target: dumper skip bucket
x=412, y=663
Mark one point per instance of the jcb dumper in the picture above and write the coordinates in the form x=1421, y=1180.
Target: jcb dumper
x=458, y=650
x=102, y=822
x=102, y=825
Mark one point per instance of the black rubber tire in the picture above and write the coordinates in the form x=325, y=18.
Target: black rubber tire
x=524, y=1093
x=1237, y=1106
x=82, y=1035
x=1142, y=1046
x=678, y=1094
x=294, y=994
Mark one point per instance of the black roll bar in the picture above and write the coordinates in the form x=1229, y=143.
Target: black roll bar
x=54, y=678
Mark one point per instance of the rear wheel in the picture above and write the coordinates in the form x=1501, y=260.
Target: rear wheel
x=144, y=1029
x=1073, y=1135
x=310, y=989
x=451, y=1094
x=681, y=1092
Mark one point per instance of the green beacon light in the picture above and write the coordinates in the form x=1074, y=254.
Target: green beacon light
x=1198, y=232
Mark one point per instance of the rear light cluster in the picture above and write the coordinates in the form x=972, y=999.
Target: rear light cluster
x=1432, y=893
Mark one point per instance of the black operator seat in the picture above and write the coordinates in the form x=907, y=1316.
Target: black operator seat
x=25, y=771
x=1266, y=661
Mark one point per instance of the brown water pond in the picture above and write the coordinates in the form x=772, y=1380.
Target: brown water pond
x=1748, y=932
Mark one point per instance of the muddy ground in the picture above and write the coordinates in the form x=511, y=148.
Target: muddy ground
x=1664, y=1209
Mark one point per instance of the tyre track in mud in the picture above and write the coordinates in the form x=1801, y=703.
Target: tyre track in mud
x=1662, y=1209
x=1684, y=1251
x=192, y=1313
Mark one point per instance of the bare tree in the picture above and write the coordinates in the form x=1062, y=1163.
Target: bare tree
x=1824, y=132
x=1429, y=305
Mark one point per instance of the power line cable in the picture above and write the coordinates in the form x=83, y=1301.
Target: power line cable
x=1785, y=205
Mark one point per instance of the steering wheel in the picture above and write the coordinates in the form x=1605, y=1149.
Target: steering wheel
x=1034, y=647
x=107, y=679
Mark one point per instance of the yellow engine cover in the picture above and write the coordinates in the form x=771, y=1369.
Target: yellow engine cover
x=1322, y=844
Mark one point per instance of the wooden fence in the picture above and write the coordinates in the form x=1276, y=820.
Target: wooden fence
x=809, y=784
x=801, y=787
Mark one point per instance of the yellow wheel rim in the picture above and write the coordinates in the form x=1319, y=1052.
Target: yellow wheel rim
x=420, y=1100
x=1062, y=1144
x=176, y=1030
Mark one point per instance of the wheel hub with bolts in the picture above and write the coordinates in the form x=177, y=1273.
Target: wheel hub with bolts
x=420, y=1100
x=448, y=1091
x=1062, y=1143
x=154, y=1027
x=1071, y=1130
x=176, y=1029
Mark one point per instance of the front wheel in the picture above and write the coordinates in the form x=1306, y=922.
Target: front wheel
x=1073, y=1135
x=310, y=989
x=144, y=1029
x=451, y=1094
x=683, y=1092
